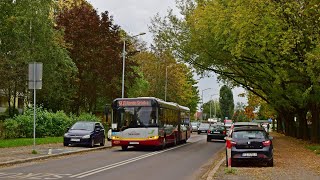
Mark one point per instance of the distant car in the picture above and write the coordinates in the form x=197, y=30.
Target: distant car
x=194, y=126
x=216, y=132
x=203, y=128
x=85, y=133
x=251, y=144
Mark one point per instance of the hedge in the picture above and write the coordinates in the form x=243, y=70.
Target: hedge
x=48, y=124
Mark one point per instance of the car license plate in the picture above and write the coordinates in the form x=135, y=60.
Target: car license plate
x=203, y=131
x=249, y=154
x=216, y=132
x=133, y=142
x=76, y=140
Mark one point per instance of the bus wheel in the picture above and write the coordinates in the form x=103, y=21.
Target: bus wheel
x=124, y=148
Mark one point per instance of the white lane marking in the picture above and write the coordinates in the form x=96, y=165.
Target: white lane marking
x=111, y=166
x=32, y=176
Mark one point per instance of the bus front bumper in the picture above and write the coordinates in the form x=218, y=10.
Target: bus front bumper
x=156, y=142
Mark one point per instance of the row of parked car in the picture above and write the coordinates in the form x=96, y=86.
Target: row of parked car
x=250, y=141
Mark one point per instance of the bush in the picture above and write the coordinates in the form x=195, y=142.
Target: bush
x=47, y=123
x=11, y=126
x=86, y=117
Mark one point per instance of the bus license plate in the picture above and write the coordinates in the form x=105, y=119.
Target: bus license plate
x=133, y=142
x=249, y=154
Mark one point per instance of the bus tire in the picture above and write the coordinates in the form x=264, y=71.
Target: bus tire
x=124, y=148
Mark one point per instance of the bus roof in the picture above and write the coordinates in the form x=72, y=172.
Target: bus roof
x=160, y=102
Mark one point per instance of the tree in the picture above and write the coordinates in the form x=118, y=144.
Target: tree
x=27, y=34
x=263, y=46
x=226, y=102
x=95, y=45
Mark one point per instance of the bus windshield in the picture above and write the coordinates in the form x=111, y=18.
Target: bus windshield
x=132, y=117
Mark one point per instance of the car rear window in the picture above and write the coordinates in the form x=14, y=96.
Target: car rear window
x=218, y=127
x=249, y=135
x=204, y=125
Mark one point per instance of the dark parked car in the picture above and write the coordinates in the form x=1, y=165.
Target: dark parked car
x=251, y=144
x=242, y=124
x=216, y=132
x=85, y=133
x=203, y=128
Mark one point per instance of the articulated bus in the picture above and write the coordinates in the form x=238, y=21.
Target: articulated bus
x=148, y=121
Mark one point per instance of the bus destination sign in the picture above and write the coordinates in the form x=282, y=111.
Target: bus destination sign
x=134, y=103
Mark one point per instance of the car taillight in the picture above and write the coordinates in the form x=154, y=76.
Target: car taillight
x=209, y=131
x=266, y=143
x=224, y=132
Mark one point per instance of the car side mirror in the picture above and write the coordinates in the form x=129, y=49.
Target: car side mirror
x=270, y=137
x=68, y=128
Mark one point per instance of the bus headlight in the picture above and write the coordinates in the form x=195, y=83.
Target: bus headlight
x=153, y=137
x=115, y=137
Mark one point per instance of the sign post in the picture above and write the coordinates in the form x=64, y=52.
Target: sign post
x=35, y=82
x=229, y=146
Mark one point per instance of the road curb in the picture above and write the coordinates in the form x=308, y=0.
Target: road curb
x=215, y=169
x=19, y=161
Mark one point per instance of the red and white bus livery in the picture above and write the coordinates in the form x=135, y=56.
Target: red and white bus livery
x=149, y=121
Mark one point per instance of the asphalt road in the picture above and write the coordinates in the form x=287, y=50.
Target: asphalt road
x=185, y=161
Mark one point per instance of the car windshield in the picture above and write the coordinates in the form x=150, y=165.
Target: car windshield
x=88, y=126
x=248, y=135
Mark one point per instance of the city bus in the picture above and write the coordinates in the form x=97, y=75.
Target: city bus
x=148, y=121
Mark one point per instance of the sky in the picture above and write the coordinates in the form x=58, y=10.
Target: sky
x=134, y=16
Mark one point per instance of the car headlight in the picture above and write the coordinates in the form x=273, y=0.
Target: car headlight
x=86, y=136
x=66, y=135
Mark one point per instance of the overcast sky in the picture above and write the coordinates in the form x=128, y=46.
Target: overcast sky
x=134, y=17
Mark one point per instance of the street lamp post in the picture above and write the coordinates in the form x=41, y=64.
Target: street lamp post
x=202, y=102
x=123, y=60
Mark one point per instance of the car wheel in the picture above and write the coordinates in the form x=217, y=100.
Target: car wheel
x=163, y=146
x=92, y=143
x=108, y=139
x=198, y=132
x=208, y=139
x=124, y=148
x=65, y=144
x=270, y=163
x=103, y=142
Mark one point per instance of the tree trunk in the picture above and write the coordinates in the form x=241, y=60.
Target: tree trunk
x=302, y=128
x=315, y=123
x=279, y=124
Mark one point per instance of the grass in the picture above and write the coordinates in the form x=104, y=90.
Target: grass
x=4, y=143
x=232, y=171
x=315, y=148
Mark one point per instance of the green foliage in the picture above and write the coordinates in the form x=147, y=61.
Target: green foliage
x=48, y=124
x=226, y=102
x=5, y=143
x=230, y=171
x=11, y=126
x=315, y=149
x=34, y=152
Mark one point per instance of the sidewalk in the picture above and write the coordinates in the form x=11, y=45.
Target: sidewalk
x=16, y=155
x=291, y=161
